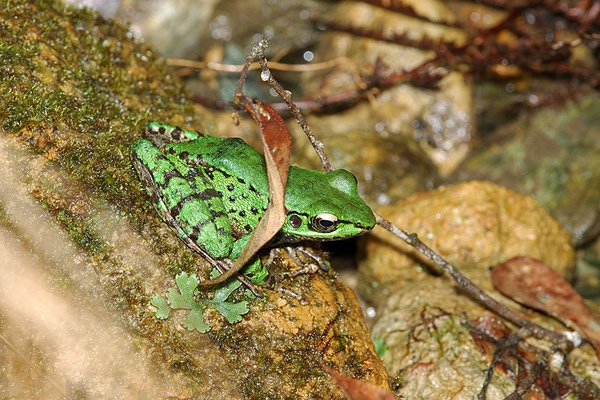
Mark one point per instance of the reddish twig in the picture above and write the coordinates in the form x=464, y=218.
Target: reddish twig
x=390, y=36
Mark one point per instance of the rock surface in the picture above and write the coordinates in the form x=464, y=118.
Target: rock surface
x=423, y=318
x=553, y=156
x=474, y=225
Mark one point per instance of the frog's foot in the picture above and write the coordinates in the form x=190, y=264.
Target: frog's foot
x=307, y=263
x=313, y=265
x=275, y=280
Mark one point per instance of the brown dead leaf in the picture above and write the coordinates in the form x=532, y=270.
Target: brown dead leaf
x=355, y=389
x=534, y=284
x=277, y=144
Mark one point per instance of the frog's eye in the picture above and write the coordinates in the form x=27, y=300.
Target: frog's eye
x=324, y=222
x=295, y=221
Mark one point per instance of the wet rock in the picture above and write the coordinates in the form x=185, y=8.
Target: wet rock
x=474, y=225
x=422, y=317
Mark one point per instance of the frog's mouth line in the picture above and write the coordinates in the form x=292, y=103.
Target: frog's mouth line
x=282, y=238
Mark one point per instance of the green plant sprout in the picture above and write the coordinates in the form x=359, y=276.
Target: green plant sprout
x=184, y=298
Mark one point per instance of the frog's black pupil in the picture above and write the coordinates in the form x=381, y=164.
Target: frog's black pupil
x=325, y=223
x=295, y=221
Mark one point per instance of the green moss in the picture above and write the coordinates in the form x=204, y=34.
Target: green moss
x=86, y=78
x=285, y=358
x=78, y=89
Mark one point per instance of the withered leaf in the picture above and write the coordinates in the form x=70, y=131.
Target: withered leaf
x=277, y=144
x=532, y=283
x=355, y=389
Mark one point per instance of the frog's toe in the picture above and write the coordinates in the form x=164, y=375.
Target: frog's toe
x=311, y=258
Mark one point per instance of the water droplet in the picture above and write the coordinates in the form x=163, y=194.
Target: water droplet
x=530, y=18
x=265, y=75
x=533, y=99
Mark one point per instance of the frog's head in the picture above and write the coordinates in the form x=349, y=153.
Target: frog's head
x=324, y=206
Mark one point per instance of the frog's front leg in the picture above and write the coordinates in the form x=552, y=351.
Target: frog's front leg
x=315, y=263
x=254, y=270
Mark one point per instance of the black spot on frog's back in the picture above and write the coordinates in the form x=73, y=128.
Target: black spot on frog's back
x=177, y=134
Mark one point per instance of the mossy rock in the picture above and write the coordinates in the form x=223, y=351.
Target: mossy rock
x=83, y=251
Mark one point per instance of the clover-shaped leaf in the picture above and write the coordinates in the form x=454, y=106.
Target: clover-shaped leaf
x=223, y=292
x=187, y=286
x=184, y=297
x=195, y=320
x=159, y=302
x=231, y=311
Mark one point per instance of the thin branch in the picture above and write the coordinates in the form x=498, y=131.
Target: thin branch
x=236, y=69
x=461, y=280
x=528, y=382
x=239, y=98
x=412, y=239
x=391, y=36
x=286, y=96
x=503, y=346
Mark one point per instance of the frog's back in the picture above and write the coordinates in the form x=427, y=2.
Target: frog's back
x=232, y=156
x=238, y=172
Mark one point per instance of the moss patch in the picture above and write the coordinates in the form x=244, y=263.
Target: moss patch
x=78, y=89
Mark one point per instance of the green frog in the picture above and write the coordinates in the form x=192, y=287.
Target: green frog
x=213, y=191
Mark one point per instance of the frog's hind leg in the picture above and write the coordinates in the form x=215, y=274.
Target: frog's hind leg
x=211, y=226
